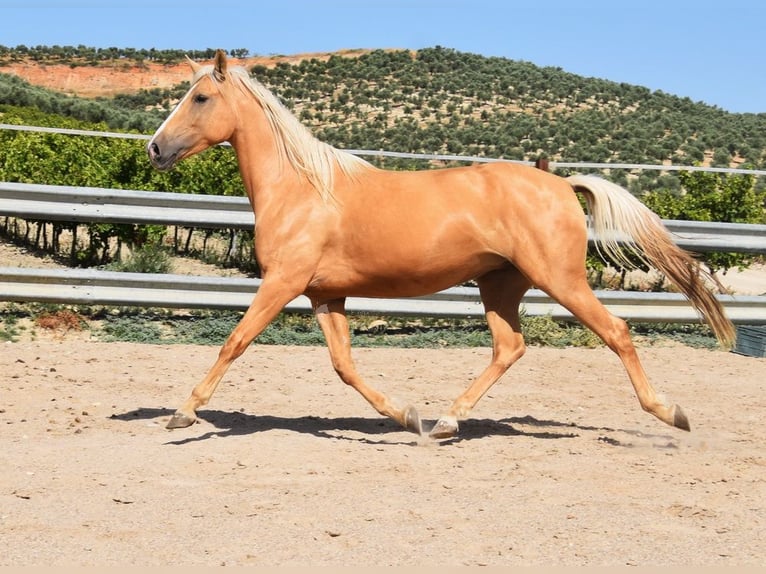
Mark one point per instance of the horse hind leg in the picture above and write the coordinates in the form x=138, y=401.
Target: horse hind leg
x=501, y=293
x=576, y=295
x=331, y=317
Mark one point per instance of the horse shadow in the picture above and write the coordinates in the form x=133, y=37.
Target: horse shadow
x=373, y=430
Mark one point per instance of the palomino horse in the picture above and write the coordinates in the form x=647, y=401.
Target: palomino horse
x=329, y=225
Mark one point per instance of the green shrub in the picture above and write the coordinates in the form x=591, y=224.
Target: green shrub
x=131, y=330
x=543, y=330
x=9, y=327
x=150, y=258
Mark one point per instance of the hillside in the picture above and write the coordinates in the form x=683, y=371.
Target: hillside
x=434, y=100
x=123, y=76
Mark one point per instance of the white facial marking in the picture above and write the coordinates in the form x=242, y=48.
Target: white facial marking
x=178, y=105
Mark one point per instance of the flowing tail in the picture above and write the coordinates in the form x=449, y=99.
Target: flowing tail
x=618, y=217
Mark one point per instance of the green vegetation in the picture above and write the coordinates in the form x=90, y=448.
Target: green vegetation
x=712, y=197
x=149, y=258
x=60, y=159
x=9, y=326
x=199, y=327
x=437, y=100
x=88, y=56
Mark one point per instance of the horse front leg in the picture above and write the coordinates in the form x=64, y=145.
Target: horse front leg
x=267, y=303
x=331, y=316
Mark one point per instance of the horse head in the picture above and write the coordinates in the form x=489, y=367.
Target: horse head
x=204, y=117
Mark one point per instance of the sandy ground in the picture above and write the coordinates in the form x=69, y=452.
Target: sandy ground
x=558, y=466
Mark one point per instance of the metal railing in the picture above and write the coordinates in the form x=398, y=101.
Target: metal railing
x=88, y=286
x=83, y=204
x=110, y=288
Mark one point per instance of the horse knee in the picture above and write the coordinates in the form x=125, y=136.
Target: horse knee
x=617, y=338
x=233, y=348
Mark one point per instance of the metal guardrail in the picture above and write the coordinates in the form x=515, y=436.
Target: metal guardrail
x=110, y=288
x=83, y=204
x=94, y=287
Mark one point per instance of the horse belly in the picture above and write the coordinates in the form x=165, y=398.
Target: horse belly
x=403, y=268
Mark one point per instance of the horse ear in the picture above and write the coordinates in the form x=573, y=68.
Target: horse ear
x=219, y=66
x=194, y=65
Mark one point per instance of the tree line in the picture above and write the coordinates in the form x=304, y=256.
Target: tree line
x=87, y=55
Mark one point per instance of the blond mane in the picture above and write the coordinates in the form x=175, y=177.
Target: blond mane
x=309, y=156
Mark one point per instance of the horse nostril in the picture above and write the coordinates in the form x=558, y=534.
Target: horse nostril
x=154, y=150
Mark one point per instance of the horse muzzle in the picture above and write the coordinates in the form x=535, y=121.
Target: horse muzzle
x=160, y=160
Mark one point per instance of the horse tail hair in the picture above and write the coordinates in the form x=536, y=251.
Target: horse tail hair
x=624, y=226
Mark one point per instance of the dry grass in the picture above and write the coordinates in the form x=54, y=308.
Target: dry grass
x=60, y=321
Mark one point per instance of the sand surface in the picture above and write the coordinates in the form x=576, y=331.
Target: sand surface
x=557, y=466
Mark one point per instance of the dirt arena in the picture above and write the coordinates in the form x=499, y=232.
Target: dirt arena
x=559, y=465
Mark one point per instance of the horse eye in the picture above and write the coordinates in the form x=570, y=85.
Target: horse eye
x=200, y=99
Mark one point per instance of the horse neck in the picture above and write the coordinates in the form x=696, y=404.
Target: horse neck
x=266, y=172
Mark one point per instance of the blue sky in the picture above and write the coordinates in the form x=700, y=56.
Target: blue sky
x=706, y=50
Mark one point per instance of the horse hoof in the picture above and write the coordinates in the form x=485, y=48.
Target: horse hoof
x=412, y=421
x=445, y=427
x=180, y=421
x=680, y=419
